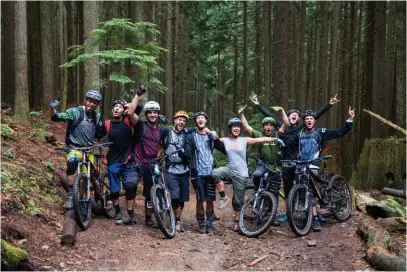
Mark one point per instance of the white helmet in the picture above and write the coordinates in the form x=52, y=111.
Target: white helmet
x=151, y=106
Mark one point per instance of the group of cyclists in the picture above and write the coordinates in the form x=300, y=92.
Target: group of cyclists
x=189, y=153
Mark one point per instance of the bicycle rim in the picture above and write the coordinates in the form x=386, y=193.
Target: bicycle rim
x=257, y=214
x=163, y=211
x=108, y=206
x=299, y=210
x=340, y=198
x=81, y=201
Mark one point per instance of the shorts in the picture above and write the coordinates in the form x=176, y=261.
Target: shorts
x=132, y=176
x=72, y=161
x=205, y=188
x=117, y=173
x=178, y=185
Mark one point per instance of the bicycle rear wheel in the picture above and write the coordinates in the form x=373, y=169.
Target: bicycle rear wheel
x=340, y=198
x=81, y=201
x=164, y=215
x=299, y=210
x=101, y=202
x=257, y=214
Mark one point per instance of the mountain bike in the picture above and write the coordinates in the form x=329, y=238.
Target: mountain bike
x=87, y=184
x=334, y=194
x=259, y=210
x=161, y=199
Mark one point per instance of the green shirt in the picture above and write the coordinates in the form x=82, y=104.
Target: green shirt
x=268, y=152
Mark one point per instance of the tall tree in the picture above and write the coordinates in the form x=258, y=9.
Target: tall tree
x=258, y=48
x=21, y=102
x=7, y=52
x=299, y=79
x=332, y=89
x=245, y=56
x=168, y=64
x=323, y=55
x=267, y=48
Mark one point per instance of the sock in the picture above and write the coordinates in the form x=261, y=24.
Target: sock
x=130, y=213
x=117, y=208
x=177, y=219
x=222, y=194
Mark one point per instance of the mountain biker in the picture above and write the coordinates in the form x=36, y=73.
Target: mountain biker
x=290, y=152
x=202, y=163
x=269, y=152
x=119, y=159
x=84, y=124
x=176, y=164
x=310, y=141
x=236, y=169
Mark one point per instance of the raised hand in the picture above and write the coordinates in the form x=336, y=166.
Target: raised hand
x=254, y=99
x=334, y=100
x=142, y=88
x=54, y=103
x=351, y=113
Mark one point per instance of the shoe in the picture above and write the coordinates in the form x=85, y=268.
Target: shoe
x=118, y=216
x=201, y=223
x=321, y=218
x=179, y=227
x=210, y=217
x=316, y=227
x=283, y=219
x=127, y=220
x=69, y=203
x=223, y=202
x=209, y=231
x=275, y=222
x=150, y=223
x=235, y=226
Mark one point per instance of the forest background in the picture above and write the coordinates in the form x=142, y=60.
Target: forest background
x=211, y=56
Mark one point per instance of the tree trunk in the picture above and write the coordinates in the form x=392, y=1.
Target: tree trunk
x=47, y=48
x=235, y=76
x=68, y=236
x=91, y=68
x=21, y=102
x=7, y=52
x=63, y=45
x=323, y=55
x=168, y=64
x=401, y=63
x=378, y=69
x=332, y=87
x=267, y=47
x=258, y=50
x=245, y=56
x=299, y=80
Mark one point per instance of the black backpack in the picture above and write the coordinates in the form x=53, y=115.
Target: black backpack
x=72, y=124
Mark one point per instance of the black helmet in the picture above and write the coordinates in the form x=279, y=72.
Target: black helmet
x=199, y=113
x=234, y=122
x=120, y=101
x=309, y=113
x=296, y=110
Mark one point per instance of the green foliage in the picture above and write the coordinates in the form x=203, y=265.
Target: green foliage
x=8, y=154
x=50, y=166
x=36, y=113
x=38, y=132
x=6, y=131
x=120, y=44
x=11, y=255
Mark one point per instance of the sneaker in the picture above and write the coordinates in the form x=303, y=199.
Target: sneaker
x=179, y=227
x=118, y=216
x=150, y=223
x=283, y=219
x=127, y=220
x=275, y=222
x=69, y=203
x=316, y=227
x=235, y=226
x=223, y=202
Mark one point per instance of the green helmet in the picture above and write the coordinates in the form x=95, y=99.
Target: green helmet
x=270, y=120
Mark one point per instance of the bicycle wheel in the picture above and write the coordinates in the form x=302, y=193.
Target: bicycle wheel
x=299, y=210
x=340, y=198
x=257, y=214
x=81, y=201
x=101, y=202
x=164, y=215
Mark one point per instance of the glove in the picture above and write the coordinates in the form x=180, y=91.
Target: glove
x=163, y=119
x=142, y=88
x=54, y=103
x=281, y=142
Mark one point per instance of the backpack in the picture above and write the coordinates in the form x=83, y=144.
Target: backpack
x=72, y=124
x=318, y=131
x=167, y=137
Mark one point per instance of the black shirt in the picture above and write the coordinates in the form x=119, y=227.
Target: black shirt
x=120, y=135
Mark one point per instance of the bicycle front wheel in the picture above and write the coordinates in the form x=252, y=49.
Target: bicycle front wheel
x=299, y=210
x=163, y=211
x=257, y=214
x=340, y=198
x=81, y=201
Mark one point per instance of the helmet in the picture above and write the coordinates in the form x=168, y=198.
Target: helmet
x=309, y=113
x=200, y=113
x=293, y=110
x=120, y=101
x=94, y=95
x=234, y=122
x=181, y=113
x=269, y=120
x=151, y=106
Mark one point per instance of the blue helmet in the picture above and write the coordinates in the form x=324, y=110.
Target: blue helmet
x=234, y=122
x=93, y=94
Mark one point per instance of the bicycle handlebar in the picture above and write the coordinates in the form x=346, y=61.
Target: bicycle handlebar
x=86, y=148
x=156, y=160
x=312, y=161
x=257, y=159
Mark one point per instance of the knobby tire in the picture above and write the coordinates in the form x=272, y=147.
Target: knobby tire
x=158, y=196
x=335, y=196
x=297, y=194
x=83, y=220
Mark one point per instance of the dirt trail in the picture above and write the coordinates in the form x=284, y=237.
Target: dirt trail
x=105, y=246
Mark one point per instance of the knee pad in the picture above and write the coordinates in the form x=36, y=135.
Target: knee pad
x=175, y=203
x=71, y=165
x=130, y=194
x=115, y=195
x=129, y=186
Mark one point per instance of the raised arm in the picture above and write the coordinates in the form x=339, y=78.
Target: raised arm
x=263, y=110
x=325, y=108
x=329, y=134
x=260, y=140
x=245, y=124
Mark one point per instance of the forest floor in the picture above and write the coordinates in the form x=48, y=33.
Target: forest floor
x=106, y=246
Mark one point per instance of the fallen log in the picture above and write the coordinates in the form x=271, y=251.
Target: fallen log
x=394, y=192
x=362, y=200
x=70, y=228
x=377, y=245
x=63, y=179
x=386, y=121
x=393, y=224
